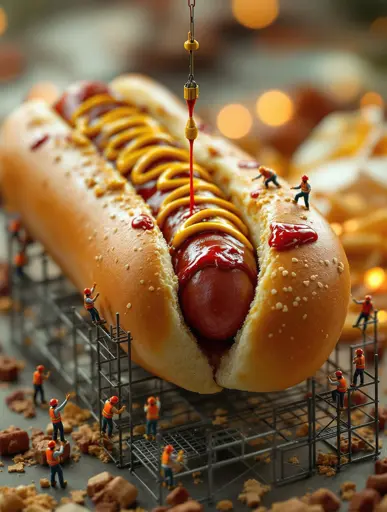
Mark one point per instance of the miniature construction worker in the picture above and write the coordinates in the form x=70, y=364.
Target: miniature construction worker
x=152, y=410
x=53, y=460
x=366, y=310
x=107, y=414
x=305, y=191
x=341, y=383
x=56, y=419
x=20, y=261
x=37, y=380
x=269, y=175
x=359, y=361
x=14, y=227
x=89, y=301
x=168, y=460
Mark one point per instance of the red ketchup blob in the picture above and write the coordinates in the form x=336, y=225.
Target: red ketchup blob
x=39, y=142
x=287, y=236
x=248, y=164
x=142, y=222
x=255, y=194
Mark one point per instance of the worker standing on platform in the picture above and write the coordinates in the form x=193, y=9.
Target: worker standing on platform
x=341, y=383
x=168, y=460
x=305, y=191
x=89, y=302
x=56, y=419
x=14, y=227
x=20, y=261
x=37, y=380
x=53, y=460
x=152, y=411
x=359, y=361
x=366, y=310
x=107, y=414
x=269, y=175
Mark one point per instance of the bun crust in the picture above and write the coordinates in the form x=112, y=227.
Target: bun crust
x=302, y=294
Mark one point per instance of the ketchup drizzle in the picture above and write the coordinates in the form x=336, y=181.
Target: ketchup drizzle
x=142, y=222
x=191, y=106
x=39, y=142
x=286, y=236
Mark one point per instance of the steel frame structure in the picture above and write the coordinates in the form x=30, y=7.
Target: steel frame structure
x=256, y=433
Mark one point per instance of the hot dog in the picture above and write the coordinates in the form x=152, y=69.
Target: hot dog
x=186, y=289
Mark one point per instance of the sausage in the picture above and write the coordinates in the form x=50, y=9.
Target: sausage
x=213, y=268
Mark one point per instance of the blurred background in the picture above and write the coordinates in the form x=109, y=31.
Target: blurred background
x=299, y=84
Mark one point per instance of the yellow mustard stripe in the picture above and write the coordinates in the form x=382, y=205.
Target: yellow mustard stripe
x=140, y=146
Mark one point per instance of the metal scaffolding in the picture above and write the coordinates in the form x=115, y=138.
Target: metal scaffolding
x=275, y=436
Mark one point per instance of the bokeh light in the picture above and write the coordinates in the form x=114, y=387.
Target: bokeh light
x=274, y=108
x=255, y=14
x=374, y=278
x=382, y=316
x=379, y=26
x=345, y=90
x=371, y=98
x=3, y=21
x=44, y=90
x=337, y=228
x=234, y=121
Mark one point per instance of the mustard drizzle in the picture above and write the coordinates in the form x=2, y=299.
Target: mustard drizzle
x=132, y=139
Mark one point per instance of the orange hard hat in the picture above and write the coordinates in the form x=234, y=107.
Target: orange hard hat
x=114, y=400
x=339, y=373
x=87, y=291
x=359, y=351
x=14, y=225
x=305, y=177
x=169, y=448
x=40, y=368
x=51, y=444
x=368, y=297
x=53, y=402
x=151, y=400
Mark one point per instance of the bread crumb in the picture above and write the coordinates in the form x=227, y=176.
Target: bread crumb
x=320, y=285
x=305, y=299
x=326, y=262
x=142, y=281
x=224, y=505
x=44, y=483
x=306, y=283
x=285, y=309
x=16, y=468
x=151, y=288
x=305, y=317
x=273, y=274
x=335, y=260
x=279, y=305
x=294, y=460
x=281, y=269
x=294, y=260
x=306, y=265
x=295, y=304
x=326, y=286
x=314, y=277
x=314, y=293
x=285, y=289
x=127, y=266
x=129, y=305
x=294, y=274
x=274, y=291
x=285, y=273
x=270, y=335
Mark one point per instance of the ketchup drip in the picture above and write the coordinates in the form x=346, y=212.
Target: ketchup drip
x=42, y=140
x=191, y=106
x=142, y=222
x=287, y=236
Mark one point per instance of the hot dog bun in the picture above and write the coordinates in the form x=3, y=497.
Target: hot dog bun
x=302, y=294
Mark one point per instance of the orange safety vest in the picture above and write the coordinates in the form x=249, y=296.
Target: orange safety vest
x=20, y=259
x=304, y=187
x=51, y=460
x=367, y=307
x=14, y=226
x=165, y=458
x=37, y=378
x=360, y=362
x=88, y=305
x=342, y=387
x=152, y=412
x=266, y=173
x=54, y=419
x=107, y=410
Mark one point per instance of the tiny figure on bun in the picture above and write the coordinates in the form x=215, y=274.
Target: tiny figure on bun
x=305, y=191
x=152, y=411
x=341, y=383
x=20, y=261
x=366, y=310
x=359, y=361
x=37, y=380
x=108, y=412
x=54, y=412
x=53, y=460
x=269, y=175
x=89, y=303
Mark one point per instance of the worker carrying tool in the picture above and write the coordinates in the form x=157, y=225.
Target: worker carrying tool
x=152, y=411
x=341, y=383
x=168, y=461
x=89, y=303
x=359, y=361
x=367, y=308
x=269, y=175
x=56, y=419
x=20, y=261
x=305, y=191
x=53, y=460
x=14, y=227
x=37, y=380
x=107, y=414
